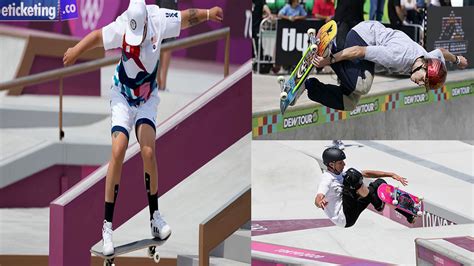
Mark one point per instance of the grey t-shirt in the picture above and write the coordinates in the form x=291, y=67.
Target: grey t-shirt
x=391, y=50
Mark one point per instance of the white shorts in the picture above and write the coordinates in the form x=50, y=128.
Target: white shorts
x=125, y=116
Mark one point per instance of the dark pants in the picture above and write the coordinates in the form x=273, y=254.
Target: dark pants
x=353, y=205
x=376, y=9
x=347, y=71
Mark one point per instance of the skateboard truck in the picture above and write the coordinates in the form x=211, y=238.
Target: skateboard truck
x=152, y=253
x=283, y=94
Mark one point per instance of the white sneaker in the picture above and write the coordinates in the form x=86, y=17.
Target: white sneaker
x=108, y=245
x=159, y=228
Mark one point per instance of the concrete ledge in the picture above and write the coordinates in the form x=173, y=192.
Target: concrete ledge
x=44, y=154
x=445, y=251
x=236, y=247
x=16, y=118
x=403, y=114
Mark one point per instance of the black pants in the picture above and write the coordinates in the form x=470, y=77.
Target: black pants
x=353, y=205
x=348, y=72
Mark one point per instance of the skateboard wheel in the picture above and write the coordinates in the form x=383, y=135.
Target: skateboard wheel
x=156, y=257
x=419, y=213
x=311, y=31
x=394, y=202
x=281, y=79
x=314, y=47
x=283, y=95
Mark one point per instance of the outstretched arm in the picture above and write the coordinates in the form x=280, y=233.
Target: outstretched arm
x=193, y=16
x=448, y=56
x=377, y=174
x=320, y=201
x=91, y=41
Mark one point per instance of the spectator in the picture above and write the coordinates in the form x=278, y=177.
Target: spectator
x=421, y=3
x=445, y=2
x=348, y=14
x=292, y=11
x=396, y=13
x=323, y=10
x=260, y=11
x=411, y=11
x=376, y=9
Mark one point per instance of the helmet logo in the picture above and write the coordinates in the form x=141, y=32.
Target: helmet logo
x=133, y=24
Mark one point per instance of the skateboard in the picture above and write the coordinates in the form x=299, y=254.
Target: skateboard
x=290, y=89
x=400, y=199
x=151, y=244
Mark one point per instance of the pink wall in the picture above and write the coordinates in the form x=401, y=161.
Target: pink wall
x=39, y=189
x=76, y=226
x=87, y=84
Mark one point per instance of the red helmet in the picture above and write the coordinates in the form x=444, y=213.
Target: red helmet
x=435, y=74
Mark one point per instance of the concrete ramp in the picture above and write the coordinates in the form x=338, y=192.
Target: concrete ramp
x=195, y=134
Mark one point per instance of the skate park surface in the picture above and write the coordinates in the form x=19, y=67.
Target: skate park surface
x=287, y=227
x=393, y=109
x=31, y=138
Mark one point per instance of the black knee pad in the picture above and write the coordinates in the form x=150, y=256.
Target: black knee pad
x=376, y=184
x=353, y=179
x=147, y=183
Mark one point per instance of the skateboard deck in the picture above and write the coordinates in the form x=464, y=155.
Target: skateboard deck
x=290, y=89
x=150, y=243
x=400, y=199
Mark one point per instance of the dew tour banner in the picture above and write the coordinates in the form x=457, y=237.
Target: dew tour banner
x=268, y=123
x=292, y=39
x=452, y=28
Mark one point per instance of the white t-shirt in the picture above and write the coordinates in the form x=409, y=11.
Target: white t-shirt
x=331, y=187
x=390, y=49
x=138, y=65
x=408, y=4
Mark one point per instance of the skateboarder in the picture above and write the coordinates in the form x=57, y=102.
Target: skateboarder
x=139, y=32
x=371, y=47
x=343, y=195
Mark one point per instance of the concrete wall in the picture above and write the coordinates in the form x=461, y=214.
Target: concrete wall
x=442, y=121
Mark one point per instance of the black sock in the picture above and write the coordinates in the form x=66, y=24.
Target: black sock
x=152, y=199
x=152, y=204
x=110, y=206
x=109, y=211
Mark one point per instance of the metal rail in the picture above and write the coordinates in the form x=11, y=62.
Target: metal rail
x=97, y=64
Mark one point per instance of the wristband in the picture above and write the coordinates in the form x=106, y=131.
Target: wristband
x=457, y=60
x=208, y=14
